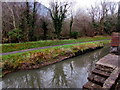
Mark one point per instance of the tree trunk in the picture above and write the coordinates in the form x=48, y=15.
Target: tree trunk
x=71, y=23
x=13, y=16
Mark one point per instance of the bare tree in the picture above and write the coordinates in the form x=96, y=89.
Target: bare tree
x=104, y=12
x=94, y=15
x=102, y=17
x=33, y=21
x=118, y=22
x=112, y=7
x=93, y=12
x=12, y=14
x=11, y=17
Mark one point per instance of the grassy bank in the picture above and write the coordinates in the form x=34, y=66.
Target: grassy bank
x=27, y=45
x=37, y=58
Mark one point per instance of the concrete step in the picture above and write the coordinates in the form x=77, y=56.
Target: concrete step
x=97, y=79
x=90, y=85
x=101, y=73
x=112, y=80
x=104, y=68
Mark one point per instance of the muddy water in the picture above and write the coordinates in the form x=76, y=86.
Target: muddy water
x=71, y=73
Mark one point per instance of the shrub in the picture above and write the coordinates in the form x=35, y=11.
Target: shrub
x=15, y=35
x=74, y=35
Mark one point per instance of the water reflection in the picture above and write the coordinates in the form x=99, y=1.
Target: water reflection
x=70, y=73
x=59, y=78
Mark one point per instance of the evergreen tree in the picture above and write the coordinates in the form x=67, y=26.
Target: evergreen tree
x=71, y=23
x=45, y=28
x=58, y=15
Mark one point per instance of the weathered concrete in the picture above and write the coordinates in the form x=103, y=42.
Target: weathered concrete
x=112, y=79
x=104, y=68
x=96, y=79
x=110, y=60
x=91, y=85
x=105, y=74
x=107, y=71
x=101, y=73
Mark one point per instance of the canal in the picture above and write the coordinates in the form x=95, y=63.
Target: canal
x=71, y=73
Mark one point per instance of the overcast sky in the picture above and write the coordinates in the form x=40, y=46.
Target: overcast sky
x=84, y=4
x=77, y=3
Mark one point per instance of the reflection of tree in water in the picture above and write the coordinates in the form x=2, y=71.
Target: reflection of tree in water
x=88, y=60
x=35, y=80
x=23, y=80
x=93, y=59
x=71, y=67
x=96, y=56
x=59, y=78
x=85, y=61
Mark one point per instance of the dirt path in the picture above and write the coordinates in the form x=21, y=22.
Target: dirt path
x=8, y=53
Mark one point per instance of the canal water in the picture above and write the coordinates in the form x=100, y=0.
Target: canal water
x=71, y=73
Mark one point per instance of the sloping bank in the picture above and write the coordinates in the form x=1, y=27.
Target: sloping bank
x=39, y=58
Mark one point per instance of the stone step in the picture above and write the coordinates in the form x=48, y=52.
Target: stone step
x=111, y=81
x=101, y=73
x=90, y=85
x=104, y=68
x=97, y=79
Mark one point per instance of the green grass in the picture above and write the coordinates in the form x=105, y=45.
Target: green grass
x=14, y=61
x=35, y=44
x=27, y=54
